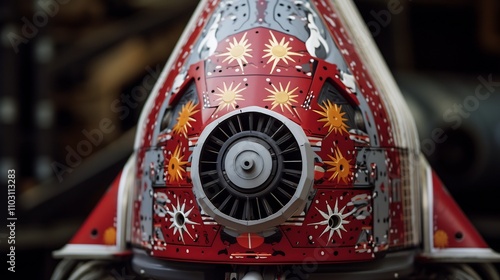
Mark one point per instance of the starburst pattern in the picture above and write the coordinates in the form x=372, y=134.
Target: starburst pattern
x=179, y=218
x=340, y=166
x=185, y=118
x=229, y=96
x=333, y=117
x=282, y=97
x=238, y=50
x=176, y=166
x=334, y=220
x=278, y=51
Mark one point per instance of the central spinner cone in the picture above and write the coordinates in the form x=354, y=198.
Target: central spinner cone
x=252, y=169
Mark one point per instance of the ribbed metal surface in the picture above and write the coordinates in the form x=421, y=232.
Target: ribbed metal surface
x=262, y=190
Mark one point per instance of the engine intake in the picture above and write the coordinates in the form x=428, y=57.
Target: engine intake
x=252, y=169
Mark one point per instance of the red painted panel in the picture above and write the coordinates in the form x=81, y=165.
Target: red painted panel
x=451, y=227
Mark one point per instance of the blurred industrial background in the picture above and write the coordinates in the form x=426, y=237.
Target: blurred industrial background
x=68, y=64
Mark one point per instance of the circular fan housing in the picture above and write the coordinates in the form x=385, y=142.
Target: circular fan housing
x=252, y=169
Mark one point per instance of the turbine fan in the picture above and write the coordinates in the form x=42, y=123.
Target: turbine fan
x=250, y=166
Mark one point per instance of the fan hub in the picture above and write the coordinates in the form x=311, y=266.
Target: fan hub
x=247, y=164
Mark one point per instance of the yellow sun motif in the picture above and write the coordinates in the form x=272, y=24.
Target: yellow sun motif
x=278, y=51
x=175, y=166
x=333, y=117
x=440, y=239
x=185, y=117
x=238, y=51
x=229, y=96
x=340, y=166
x=282, y=97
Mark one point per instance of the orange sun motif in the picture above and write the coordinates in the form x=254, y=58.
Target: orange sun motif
x=340, y=166
x=175, y=166
x=185, y=117
x=110, y=236
x=333, y=117
x=229, y=96
x=282, y=97
x=278, y=51
x=238, y=51
x=440, y=239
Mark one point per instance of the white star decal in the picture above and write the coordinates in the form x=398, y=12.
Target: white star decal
x=333, y=220
x=180, y=218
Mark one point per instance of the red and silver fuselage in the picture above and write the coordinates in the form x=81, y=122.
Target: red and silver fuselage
x=276, y=134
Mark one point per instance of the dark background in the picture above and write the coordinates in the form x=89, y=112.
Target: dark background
x=63, y=74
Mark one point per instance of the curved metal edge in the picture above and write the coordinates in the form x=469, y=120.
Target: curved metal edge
x=146, y=266
x=166, y=70
x=394, y=265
